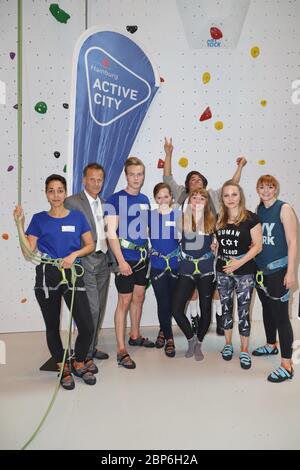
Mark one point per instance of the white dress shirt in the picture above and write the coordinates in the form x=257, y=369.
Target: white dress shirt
x=97, y=211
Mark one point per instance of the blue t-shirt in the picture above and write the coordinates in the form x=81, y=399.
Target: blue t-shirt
x=132, y=211
x=274, y=240
x=58, y=237
x=164, y=238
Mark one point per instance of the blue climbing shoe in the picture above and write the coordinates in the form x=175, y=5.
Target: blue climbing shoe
x=280, y=375
x=265, y=351
x=227, y=352
x=245, y=360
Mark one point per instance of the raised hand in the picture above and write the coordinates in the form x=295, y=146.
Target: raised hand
x=168, y=146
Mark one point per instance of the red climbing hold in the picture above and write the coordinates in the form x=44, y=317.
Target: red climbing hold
x=160, y=163
x=216, y=33
x=206, y=115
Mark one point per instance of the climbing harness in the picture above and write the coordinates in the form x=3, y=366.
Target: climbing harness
x=277, y=264
x=142, y=249
x=166, y=258
x=196, y=261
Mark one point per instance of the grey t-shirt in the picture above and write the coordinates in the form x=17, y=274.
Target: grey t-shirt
x=180, y=194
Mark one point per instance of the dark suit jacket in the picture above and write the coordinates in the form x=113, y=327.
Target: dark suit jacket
x=80, y=203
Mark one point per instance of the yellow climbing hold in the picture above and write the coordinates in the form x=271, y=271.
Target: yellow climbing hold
x=206, y=77
x=219, y=125
x=255, y=51
x=183, y=162
x=261, y=162
x=263, y=103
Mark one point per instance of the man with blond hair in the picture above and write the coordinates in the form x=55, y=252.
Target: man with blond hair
x=127, y=222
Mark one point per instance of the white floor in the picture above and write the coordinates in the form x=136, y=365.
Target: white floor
x=163, y=404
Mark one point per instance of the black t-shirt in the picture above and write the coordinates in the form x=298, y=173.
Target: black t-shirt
x=235, y=241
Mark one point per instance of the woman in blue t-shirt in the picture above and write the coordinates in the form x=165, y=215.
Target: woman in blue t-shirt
x=164, y=262
x=196, y=269
x=276, y=274
x=60, y=233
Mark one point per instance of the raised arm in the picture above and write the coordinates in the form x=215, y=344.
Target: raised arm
x=241, y=162
x=168, y=147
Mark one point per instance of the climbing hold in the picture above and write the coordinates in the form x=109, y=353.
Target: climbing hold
x=5, y=236
x=132, y=29
x=41, y=107
x=65, y=105
x=60, y=15
x=216, y=33
x=162, y=80
x=65, y=169
x=12, y=55
x=206, y=114
x=183, y=162
x=23, y=301
x=263, y=103
x=57, y=154
x=160, y=163
x=10, y=168
x=15, y=106
x=261, y=162
x=255, y=51
x=206, y=77
x=219, y=125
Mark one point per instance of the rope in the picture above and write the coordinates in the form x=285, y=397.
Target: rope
x=20, y=99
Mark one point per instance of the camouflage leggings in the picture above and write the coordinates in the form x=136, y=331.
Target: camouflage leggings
x=243, y=285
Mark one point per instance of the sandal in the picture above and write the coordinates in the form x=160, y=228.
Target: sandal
x=141, y=341
x=227, y=352
x=280, y=375
x=124, y=360
x=84, y=374
x=245, y=360
x=91, y=366
x=170, y=348
x=160, y=340
x=67, y=381
x=265, y=351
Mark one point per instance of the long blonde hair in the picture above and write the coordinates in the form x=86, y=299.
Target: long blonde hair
x=243, y=213
x=208, y=221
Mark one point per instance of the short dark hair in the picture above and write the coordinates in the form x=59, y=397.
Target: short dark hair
x=192, y=173
x=93, y=166
x=56, y=178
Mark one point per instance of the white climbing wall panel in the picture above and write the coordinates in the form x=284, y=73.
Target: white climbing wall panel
x=251, y=96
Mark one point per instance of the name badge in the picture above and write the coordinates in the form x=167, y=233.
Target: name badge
x=68, y=228
x=170, y=223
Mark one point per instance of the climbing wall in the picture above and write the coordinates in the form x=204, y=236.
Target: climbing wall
x=227, y=69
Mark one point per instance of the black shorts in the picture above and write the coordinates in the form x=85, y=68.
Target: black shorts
x=125, y=284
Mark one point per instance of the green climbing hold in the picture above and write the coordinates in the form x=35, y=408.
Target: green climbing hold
x=65, y=169
x=41, y=107
x=60, y=15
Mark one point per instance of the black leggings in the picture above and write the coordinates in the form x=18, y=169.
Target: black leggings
x=276, y=313
x=51, y=310
x=164, y=289
x=184, y=288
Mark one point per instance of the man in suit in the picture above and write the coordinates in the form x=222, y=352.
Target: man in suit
x=96, y=270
